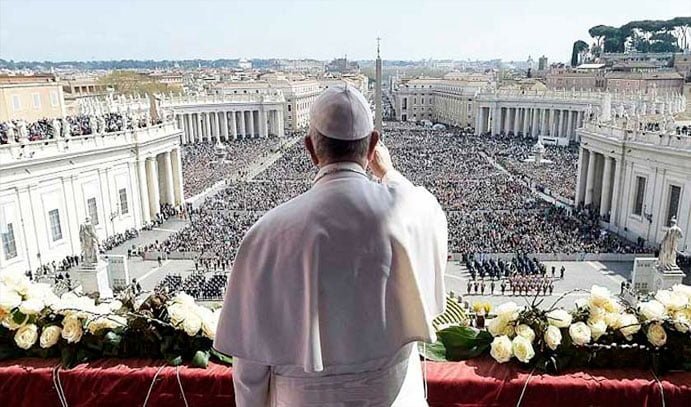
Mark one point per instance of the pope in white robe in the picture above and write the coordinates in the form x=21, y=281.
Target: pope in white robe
x=331, y=291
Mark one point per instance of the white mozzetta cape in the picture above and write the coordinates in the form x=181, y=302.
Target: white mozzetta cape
x=348, y=272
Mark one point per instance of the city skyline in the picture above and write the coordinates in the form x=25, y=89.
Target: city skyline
x=79, y=30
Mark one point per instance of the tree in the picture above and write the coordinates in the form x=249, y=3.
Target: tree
x=578, y=47
x=131, y=83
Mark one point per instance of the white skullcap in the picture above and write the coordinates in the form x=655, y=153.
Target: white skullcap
x=342, y=113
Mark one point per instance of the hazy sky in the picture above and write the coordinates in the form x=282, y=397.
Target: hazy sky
x=322, y=29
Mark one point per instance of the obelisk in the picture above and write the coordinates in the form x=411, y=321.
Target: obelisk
x=378, y=112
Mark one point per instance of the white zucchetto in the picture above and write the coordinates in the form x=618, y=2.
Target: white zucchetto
x=342, y=113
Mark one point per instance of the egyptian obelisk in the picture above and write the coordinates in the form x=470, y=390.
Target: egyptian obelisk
x=378, y=112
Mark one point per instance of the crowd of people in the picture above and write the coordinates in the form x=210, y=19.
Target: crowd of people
x=196, y=284
x=202, y=168
x=18, y=131
x=481, y=182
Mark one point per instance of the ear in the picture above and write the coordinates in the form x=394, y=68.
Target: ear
x=373, y=140
x=310, y=149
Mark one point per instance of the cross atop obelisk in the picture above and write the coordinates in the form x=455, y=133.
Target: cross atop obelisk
x=378, y=112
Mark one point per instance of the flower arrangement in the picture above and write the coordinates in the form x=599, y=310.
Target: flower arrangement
x=601, y=330
x=35, y=322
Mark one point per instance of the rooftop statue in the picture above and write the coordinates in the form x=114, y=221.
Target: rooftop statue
x=89, y=242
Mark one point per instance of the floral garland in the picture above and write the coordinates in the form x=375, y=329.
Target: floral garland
x=601, y=331
x=35, y=322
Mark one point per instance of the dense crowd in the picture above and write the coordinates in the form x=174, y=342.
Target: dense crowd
x=203, y=168
x=196, y=284
x=482, y=182
x=78, y=125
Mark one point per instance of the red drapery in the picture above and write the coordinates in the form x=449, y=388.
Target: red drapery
x=479, y=382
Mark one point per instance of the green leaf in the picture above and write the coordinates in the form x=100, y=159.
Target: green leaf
x=113, y=339
x=174, y=360
x=221, y=357
x=18, y=317
x=434, y=351
x=459, y=337
x=68, y=357
x=200, y=359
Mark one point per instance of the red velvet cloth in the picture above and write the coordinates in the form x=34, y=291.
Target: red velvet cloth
x=479, y=382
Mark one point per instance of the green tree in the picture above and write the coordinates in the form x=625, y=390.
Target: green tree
x=578, y=47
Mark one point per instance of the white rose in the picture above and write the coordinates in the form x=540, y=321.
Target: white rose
x=683, y=289
x=657, y=335
x=184, y=298
x=681, y=321
x=177, y=313
x=32, y=306
x=559, y=318
x=600, y=296
x=652, y=310
x=102, y=322
x=26, y=336
x=672, y=300
x=628, y=325
x=501, y=349
x=192, y=324
x=580, y=333
x=508, y=311
x=611, y=319
x=209, y=321
x=72, y=329
x=522, y=349
x=496, y=326
x=597, y=312
x=526, y=332
x=50, y=336
x=598, y=327
x=16, y=281
x=9, y=298
x=509, y=330
x=9, y=323
x=552, y=337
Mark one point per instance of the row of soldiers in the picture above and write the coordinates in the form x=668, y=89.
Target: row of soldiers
x=521, y=287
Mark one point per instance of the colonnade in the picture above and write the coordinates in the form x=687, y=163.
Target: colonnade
x=229, y=125
x=530, y=121
x=596, y=186
x=160, y=182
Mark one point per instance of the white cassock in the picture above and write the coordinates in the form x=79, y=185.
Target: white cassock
x=330, y=291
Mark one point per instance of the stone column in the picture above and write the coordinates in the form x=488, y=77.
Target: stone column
x=169, y=197
x=279, y=123
x=478, y=120
x=533, y=130
x=199, y=127
x=224, y=125
x=179, y=193
x=262, y=122
x=214, y=125
x=543, y=120
x=526, y=121
x=590, y=178
x=242, y=124
x=569, y=126
x=516, y=113
x=152, y=182
x=253, y=131
x=605, y=203
x=496, y=117
x=560, y=131
x=233, y=125
x=614, y=206
x=207, y=127
x=143, y=190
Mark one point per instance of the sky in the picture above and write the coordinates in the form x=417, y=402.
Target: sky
x=58, y=30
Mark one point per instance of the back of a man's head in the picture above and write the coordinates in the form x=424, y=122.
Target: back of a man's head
x=340, y=126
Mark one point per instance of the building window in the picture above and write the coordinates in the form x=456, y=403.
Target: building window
x=37, y=100
x=93, y=210
x=9, y=245
x=54, y=99
x=16, y=103
x=640, y=195
x=673, y=204
x=55, y=228
x=124, y=209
